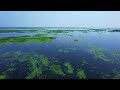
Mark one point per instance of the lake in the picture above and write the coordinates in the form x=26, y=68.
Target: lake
x=59, y=53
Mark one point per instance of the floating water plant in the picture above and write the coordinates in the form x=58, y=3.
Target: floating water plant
x=69, y=35
x=64, y=51
x=18, y=53
x=117, y=75
x=24, y=40
x=3, y=77
x=115, y=53
x=11, y=69
x=81, y=74
x=55, y=31
x=76, y=40
x=56, y=69
x=35, y=73
x=114, y=31
x=60, y=50
x=99, y=55
x=43, y=60
x=84, y=62
x=32, y=61
x=39, y=35
x=70, y=69
x=17, y=31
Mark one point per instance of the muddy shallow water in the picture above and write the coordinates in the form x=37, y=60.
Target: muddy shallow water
x=59, y=53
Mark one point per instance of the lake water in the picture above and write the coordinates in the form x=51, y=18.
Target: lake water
x=59, y=53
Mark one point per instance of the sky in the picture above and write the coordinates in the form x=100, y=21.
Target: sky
x=60, y=19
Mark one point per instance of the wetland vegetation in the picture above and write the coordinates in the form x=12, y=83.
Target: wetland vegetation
x=59, y=54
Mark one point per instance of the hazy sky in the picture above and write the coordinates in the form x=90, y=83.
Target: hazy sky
x=60, y=18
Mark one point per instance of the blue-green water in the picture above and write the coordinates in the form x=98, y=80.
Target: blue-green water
x=59, y=53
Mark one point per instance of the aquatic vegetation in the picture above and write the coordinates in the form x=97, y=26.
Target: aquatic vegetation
x=39, y=35
x=7, y=54
x=100, y=49
x=70, y=69
x=19, y=58
x=83, y=31
x=99, y=55
x=18, y=53
x=115, y=53
x=64, y=51
x=11, y=69
x=17, y=31
x=60, y=50
x=81, y=74
x=3, y=77
x=84, y=62
x=24, y=40
x=114, y=31
x=67, y=50
x=32, y=61
x=69, y=35
x=76, y=40
x=35, y=73
x=35, y=66
x=117, y=75
x=55, y=31
x=72, y=49
x=56, y=69
x=54, y=34
x=44, y=60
